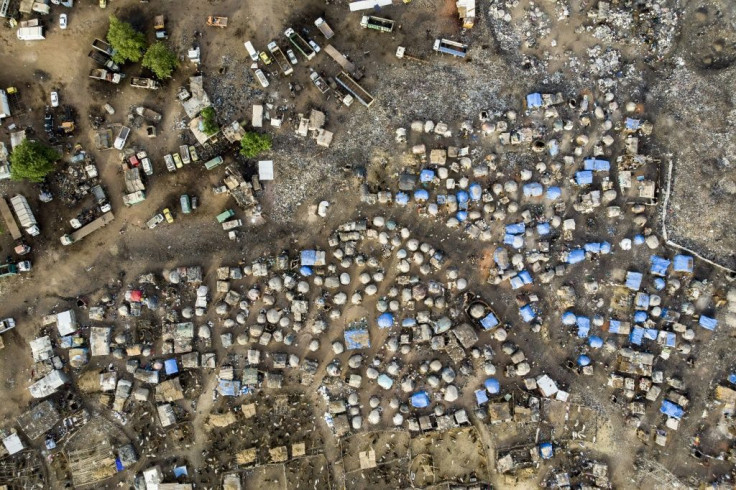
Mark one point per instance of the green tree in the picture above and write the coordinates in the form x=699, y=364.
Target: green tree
x=209, y=123
x=253, y=144
x=32, y=161
x=128, y=43
x=160, y=60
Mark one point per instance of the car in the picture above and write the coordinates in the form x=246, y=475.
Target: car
x=177, y=160
x=155, y=221
x=315, y=46
x=169, y=160
x=62, y=21
x=292, y=56
x=168, y=216
x=22, y=249
x=54, y=99
x=48, y=123
x=24, y=266
x=265, y=58
x=193, y=153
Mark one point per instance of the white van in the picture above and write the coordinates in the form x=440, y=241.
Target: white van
x=262, y=78
x=122, y=138
x=251, y=51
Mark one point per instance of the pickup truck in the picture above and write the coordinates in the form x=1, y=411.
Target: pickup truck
x=319, y=82
x=108, y=76
x=103, y=60
x=233, y=223
x=148, y=83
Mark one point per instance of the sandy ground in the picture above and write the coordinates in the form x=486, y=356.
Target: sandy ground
x=440, y=90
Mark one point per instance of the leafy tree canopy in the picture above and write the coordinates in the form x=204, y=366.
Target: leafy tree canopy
x=128, y=43
x=209, y=123
x=32, y=161
x=160, y=60
x=253, y=144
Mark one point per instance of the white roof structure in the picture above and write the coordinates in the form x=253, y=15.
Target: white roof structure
x=66, y=322
x=153, y=476
x=257, y=119
x=166, y=415
x=4, y=105
x=13, y=443
x=546, y=386
x=99, y=341
x=48, y=384
x=41, y=349
x=265, y=170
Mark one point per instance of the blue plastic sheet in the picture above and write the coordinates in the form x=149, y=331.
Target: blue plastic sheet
x=584, y=177
x=493, y=386
x=683, y=263
x=489, y=321
x=659, y=265
x=420, y=400
x=534, y=101
x=633, y=280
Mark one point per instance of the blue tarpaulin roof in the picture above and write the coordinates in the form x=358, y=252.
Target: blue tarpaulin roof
x=527, y=313
x=596, y=165
x=426, y=175
x=476, y=191
x=632, y=124
x=569, y=318
x=309, y=257
x=636, y=335
x=461, y=216
x=305, y=271
x=670, y=339
x=546, y=451
x=516, y=241
x=170, y=366
x=576, y=255
x=516, y=282
x=553, y=193
x=228, y=388
x=386, y=320
x=119, y=464
x=614, y=326
x=421, y=195
x=672, y=409
x=357, y=339
x=683, y=263
x=595, y=342
x=462, y=196
x=732, y=378
x=642, y=300
x=640, y=316
x=593, y=247
x=707, y=322
x=543, y=228
x=533, y=189
x=525, y=277
x=402, y=198
x=180, y=471
x=534, y=101
x=420, y=399
x=584, y=177
x=583, y=360
x=583, y=323
x=489, y=321
x=481, y=397
x=633, y=280
x=659, y=265
x=515, y=228
x=493, y=386
x=651, y=333
x=409, y=322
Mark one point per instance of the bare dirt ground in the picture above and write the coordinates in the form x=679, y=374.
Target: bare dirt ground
x=694, y=104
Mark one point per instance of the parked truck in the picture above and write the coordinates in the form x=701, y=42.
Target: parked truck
x=160, y=27
x=233, y=223
x=280, y=58
x=95, y=225
x=347, y=82
x=103, y=47
x=377, y=23
x=108, y=76
x=184, y=152
x=6, y=324
x=319, y=81
x=148, y=83
x=299, y=43
x=103, y=60
x=324, y=28
x=451, y=47
x=134, y=198
x=25, y=215
x=9, y=219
